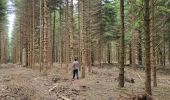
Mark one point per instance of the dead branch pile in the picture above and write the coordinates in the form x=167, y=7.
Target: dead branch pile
x=137, y=96
x=14, y=92
x=63, y=91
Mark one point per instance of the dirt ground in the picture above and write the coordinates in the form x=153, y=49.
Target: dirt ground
x=19, y=83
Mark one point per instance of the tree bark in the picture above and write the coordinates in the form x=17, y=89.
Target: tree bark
x=33, y=33
x=164, y=51
x=153, y=56
x=140, y=48
x=169, y=51
x=53, y=43
x=0, y=44
x=148, y=90
x=121, y=73
x=45, y=35
x=41, y=37
x=84, y=38
x=134, y=35
x=109, y=52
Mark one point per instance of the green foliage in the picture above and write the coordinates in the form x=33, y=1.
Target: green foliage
x=167, y=24
x=3, y=14
x=108, y=20
x=2, y=9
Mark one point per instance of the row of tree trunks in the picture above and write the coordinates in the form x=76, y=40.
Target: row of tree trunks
x=3, y=46
x=26, y=33
x=86, y=18
x=87, y=54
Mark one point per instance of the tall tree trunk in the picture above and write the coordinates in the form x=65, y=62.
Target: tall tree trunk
x=53, y=40
x=161, y=53
x=3, y=47
x=84, y=33
x=21, y=41
x=90, y=37
x=140, y=48
x=80, y=19
x=153, y=45
x=60, y=34
x=130, y=53
x=92, y=57
x=109, y=52
x=134, y=35
x=148, y=90
x=169, y=51
x=164, y=50
x=0, y=44
x=69, y=13
x=158, y=56
x=118, y=51
x=49, y=27
x=33, y=33
x=121, y=73
x=71, y=31
x=100, y=32
x=41, y=36
x=45, y=33
x=29, y=32
x=67, y=40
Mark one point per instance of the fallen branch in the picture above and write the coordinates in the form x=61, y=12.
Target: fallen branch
x=138, y=96
x=129, y=80
x=163, y=78
x=51, y=89
x=64, y=97
x=126, y=97
x=140, y=77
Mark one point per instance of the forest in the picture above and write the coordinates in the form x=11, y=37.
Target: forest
x=117, y=49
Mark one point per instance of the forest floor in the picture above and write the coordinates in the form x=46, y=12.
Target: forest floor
x=19, y=83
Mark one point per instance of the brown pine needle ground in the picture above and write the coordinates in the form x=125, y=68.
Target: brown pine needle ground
x=18, y=83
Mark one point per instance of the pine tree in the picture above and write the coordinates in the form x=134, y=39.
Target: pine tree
x=147, y=47
x=134, y=35
x=45, y=34
x=153, y=51
x=33, y=33
x=121, y=73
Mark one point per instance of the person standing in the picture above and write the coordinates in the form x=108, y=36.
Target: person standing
x=75, y=68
